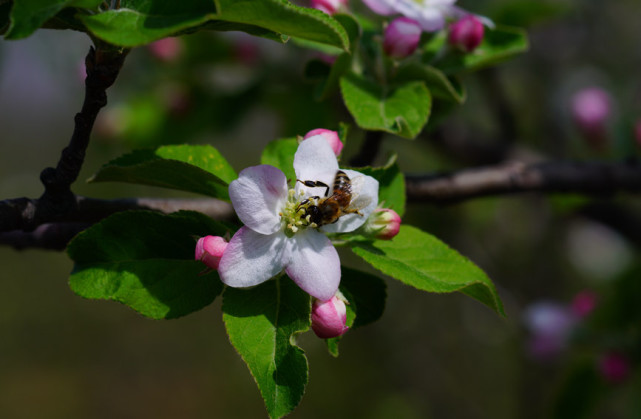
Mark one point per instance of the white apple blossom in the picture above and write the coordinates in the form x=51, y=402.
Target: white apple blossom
x=276, y=238
x=430, y=14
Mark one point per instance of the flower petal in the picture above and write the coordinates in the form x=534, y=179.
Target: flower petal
x=252, y=258
x=314, y=264
x=315, y=160
x=364, y=198
x=381, y=7
x=258, y=196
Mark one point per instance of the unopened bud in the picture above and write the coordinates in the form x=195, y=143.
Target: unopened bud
x=466, y=34
x=384, y=224
x=591, y=109
x=401, y=37
x=328, y=6
x=614, y=367
x=329, y=318
x=166, y=49
x=210, y=249
x=330, y=136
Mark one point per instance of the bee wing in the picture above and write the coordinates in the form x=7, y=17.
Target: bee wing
x=358, y=201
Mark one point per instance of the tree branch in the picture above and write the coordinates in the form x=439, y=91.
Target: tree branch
x=103, y=65
x=599, y=179
x=55, y=236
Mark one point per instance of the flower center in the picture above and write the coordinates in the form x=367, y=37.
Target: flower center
x=293, y=213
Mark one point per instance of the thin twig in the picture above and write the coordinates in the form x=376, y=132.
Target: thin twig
x=596, y=179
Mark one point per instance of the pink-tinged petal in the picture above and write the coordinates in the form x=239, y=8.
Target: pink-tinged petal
x=314, y=264
x=431, y=20
x=252, y=258
x=381, y=7
x=315, y=160
x=330, y=136
x=364, y=198
x=258, y=195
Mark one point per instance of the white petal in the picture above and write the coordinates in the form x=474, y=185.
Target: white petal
x=315, y=160
x=258, y=195
x=381, y=7
x=314, y=264
x=432, y=19
x=364, y=198
x=252, y=258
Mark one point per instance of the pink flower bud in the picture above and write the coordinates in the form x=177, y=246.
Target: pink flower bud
x=329, y=318
x=584, y=303
x=591, y=110
x=330, y=136
x=466, y=34
x=401, y=37
x=328, y=6
x=166, y=49
x=210, y=249
x=385, y=223
x=614, y=367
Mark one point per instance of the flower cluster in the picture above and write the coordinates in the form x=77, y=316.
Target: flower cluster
x=278, y=233
x=402, y=35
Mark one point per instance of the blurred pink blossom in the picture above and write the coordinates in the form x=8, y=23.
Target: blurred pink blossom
x=328, y=6
x=166, y=49
x=584, y=303
x=550, y=325
x=591, y=109
x=466, y=34
x=401, y=37
x=614, y=367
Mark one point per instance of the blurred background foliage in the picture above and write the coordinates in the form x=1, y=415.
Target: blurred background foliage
x=440, y=356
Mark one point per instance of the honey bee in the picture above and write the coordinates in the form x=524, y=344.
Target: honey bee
x=329, y=208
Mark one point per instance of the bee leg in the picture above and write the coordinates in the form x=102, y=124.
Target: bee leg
x=307, y=201
x=352, y=211
x=315, y=184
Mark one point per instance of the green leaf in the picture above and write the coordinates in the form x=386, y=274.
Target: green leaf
x=5, y=9
x=145, y=260
x=391, y=185
x=498, y=45
x=200, y=169
x=424, y=262
x=139, y=22
x=280, y=154
x=440, y=85
x=366, y=294
x=285, y=18
x=262, y=323
x=527, y=13
x=29, y=15
x=401, y=109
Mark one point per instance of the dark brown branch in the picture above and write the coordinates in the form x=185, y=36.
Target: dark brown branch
x=598, y=179
x=55, y=236
x=103, y=65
